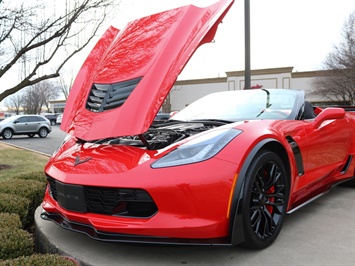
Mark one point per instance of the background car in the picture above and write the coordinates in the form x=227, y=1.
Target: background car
x=59, y=119
x=51, y=117
x=25, y=125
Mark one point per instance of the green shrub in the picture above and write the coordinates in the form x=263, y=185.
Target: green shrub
x=29, y=189
x=15, y=243
x=35, y=175
x=11, y=220
x=39, y=260
x=15, y=204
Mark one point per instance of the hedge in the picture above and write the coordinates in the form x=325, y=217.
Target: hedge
x=29, y=189
x=36, y=175
x=11, y=220
x=15, y=204
x=15, y=242
x=39, y=260
x=19, y=198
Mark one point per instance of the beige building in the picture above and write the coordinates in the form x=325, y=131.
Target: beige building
x=185, y=92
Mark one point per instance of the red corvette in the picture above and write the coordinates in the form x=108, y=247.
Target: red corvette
x=225, y=170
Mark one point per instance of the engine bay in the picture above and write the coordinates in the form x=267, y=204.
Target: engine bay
x=161, y=135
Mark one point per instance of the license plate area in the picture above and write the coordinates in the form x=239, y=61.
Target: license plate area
x=71, y=197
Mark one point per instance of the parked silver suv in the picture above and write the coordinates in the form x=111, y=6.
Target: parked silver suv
x=25, y=125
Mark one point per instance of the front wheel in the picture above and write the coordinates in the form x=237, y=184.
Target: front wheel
x=266, y=196
x=350, y=183
x=7, y=133
x=43, y=132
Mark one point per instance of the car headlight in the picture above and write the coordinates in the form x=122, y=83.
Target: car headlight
x=198, y=149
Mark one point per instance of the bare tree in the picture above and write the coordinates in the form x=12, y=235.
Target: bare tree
x=37, y=38
x=38, y=96
x=31, y=101
x=64, y=84
x=13, y=103
x=47, y=91
x=339, y=83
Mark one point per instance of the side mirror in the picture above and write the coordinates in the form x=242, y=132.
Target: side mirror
x=328, y=114
x=15, y=122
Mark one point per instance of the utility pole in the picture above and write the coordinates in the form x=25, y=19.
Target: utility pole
x=247, y=73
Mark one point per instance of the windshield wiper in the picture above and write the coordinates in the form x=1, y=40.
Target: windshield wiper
x=213, y=121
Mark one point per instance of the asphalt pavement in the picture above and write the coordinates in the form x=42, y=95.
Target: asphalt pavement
x=319, y=234
x=42, y=145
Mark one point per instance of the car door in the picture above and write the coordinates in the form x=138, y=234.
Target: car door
x=33, y=123
x=21, y=124
x=328, y=146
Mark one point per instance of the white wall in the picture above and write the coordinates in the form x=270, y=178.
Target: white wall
x=185, y=92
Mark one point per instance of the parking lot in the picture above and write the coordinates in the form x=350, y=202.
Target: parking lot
x=321, y=233
x=44, y=145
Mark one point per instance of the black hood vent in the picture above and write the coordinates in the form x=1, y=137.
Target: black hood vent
x=104, y=97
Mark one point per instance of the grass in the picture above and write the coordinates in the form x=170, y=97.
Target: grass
x=14, y=161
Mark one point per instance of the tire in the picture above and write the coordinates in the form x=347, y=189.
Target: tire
x=350, y=183
x=53, y=122
x=43, y=132
x=266, y=194
x=7, y=133
x=31, y=135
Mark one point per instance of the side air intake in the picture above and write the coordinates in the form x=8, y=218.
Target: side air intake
x=104, y=97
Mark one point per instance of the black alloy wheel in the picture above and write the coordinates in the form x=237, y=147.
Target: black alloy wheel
x=266, y=197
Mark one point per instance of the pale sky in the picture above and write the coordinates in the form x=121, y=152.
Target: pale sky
x=284, y=33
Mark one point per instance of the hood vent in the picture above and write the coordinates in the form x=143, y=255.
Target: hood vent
x=104, y=97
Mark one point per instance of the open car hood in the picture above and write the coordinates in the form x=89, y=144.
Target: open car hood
x=128, y=74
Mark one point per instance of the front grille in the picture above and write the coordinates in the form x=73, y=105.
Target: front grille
x=53, y=188
x=104, y=97
x=101, y=200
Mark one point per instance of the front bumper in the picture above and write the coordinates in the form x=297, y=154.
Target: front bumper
x=128, y=238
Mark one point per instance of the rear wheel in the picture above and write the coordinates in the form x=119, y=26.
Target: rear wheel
x=43, y=132
x=7, y=133
x=31, y=135
x=266, y=196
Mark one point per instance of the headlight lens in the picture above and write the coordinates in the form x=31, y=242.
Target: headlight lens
x=198, y=149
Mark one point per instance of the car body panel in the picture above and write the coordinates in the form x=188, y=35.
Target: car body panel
x=160, y=48
x=182, y=195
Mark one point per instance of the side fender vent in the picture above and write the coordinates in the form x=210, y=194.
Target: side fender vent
x=346, y=165
x=297, y=153
x=105, y=97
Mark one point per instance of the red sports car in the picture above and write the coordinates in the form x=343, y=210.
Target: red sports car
x=225, y=170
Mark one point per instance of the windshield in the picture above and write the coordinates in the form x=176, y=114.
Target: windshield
x=241, y=105
x=9, y=119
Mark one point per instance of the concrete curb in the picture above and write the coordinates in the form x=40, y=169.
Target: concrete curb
x=48, y=240
x=26, y=149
